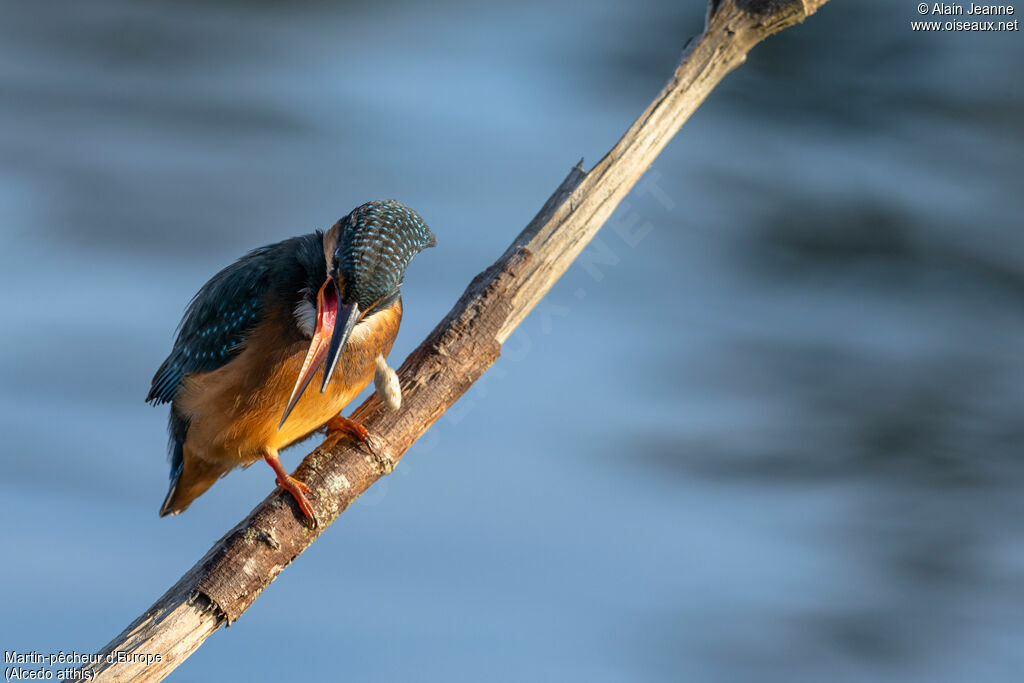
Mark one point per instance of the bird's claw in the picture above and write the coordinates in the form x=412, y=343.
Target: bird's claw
x=338, y=426
x=293, y=482
x=299, y=491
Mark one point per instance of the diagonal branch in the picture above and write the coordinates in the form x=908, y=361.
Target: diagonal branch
x=226, y=581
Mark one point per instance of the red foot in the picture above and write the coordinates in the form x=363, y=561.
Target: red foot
x=299, y=491
x=292, y=486
x=339, y=425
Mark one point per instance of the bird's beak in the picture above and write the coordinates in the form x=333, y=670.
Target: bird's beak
x=334, y=323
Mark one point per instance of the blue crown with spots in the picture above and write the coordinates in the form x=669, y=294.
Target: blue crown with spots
x=375, y=244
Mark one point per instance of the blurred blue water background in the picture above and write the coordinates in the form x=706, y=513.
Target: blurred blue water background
x=768, y=430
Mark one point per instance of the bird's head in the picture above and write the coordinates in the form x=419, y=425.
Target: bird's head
x=366, y=254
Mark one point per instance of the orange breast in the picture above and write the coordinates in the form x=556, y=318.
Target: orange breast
x=234, y=411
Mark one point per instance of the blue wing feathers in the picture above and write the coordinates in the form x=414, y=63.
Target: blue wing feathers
x=222, y=314
x=215, y=323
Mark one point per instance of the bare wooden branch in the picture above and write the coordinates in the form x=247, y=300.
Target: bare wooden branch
x=226, y=581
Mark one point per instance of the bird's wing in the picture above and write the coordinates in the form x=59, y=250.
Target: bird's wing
x=221, y=315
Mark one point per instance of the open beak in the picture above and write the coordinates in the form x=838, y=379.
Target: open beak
x=334, y=323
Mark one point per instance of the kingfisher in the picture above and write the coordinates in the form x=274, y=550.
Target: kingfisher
x=324, y=304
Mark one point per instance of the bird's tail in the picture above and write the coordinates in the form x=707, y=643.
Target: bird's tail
x=190, y=477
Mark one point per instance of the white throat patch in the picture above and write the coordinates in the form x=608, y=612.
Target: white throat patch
x=305, y=315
